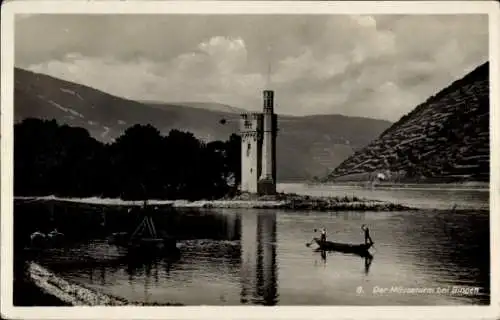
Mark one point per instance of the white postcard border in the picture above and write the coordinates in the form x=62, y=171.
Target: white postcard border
x=11, y=8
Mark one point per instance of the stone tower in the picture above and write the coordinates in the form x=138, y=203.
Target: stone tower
x=267, y=180
x=251, y=151
x=258, y=149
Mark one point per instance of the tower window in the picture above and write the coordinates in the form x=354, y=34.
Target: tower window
x=248, y=149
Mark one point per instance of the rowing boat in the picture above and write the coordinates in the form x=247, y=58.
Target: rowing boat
x=123, y=239
x=145, y=239
x=360, y=249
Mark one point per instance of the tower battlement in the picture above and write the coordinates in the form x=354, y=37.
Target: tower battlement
x=268, y=101
x=251, y=122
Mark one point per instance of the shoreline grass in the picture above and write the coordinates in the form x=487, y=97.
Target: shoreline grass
x=281, y=201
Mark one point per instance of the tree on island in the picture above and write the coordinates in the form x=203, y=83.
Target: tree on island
x=66, y=161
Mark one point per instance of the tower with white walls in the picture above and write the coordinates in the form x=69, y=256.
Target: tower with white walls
x=251, y=151
x=258, y=148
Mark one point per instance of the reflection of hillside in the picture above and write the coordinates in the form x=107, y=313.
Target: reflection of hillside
x=258, y=258
x=205, y=237
x=209, y=243
x=196, y=224
x=79, y=221
x=143, y=273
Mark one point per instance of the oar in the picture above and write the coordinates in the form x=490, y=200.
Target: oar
x=308, y=244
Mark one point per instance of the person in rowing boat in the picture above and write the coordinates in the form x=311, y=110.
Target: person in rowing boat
x=323, y=235
x=368, y=239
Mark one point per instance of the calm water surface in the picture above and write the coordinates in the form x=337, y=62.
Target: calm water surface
x=432, y=197
x=232, y=257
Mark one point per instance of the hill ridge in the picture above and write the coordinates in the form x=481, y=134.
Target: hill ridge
x=302, y=153
x=445, y=138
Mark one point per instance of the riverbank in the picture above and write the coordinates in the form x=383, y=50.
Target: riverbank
x=28, y=294
x=282, y=201
x=471, y=185
x=41, y=287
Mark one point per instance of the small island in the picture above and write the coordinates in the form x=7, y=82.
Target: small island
x=281, y=201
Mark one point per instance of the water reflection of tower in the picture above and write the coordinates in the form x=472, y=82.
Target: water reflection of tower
x=258, y=258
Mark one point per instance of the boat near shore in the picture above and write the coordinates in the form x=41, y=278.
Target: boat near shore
x=40, y=240
x=145, y=239
x=144, y=244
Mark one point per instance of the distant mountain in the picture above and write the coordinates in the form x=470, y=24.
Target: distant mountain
x=211, y=106
x=445, y=138
x=307, y=146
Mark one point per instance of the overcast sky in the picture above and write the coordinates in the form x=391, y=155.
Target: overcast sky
x=375, y=66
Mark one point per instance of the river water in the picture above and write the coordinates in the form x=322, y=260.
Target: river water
x=431, y=196
x=234, y=257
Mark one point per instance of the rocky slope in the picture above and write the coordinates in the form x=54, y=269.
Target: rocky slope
x=444, y=139
x=307, y=146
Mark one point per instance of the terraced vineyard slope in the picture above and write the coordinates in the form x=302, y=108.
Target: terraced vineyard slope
x=445, y=139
